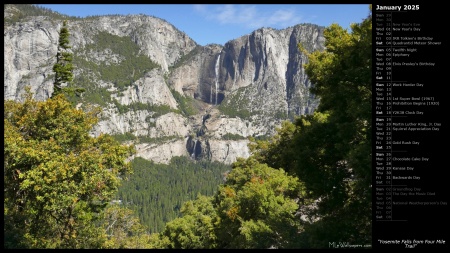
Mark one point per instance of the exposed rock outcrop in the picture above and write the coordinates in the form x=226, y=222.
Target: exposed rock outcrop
x=243, y=88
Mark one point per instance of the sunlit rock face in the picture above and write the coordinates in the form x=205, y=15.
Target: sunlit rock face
x=244, y=88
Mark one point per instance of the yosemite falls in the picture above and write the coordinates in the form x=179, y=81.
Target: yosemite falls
x=246, y=87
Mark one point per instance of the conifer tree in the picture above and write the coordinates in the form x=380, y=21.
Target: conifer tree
x=63, y=67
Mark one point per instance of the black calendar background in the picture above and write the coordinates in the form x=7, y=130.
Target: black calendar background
x=416, y=223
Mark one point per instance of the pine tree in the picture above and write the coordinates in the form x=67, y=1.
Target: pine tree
x=63, y=67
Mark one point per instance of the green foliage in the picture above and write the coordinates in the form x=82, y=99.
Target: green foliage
x=260, y=138
x=123, y=74
x=186, y=104
x=195, y=229
x=183, y=59
x=235, y=104
x=255, y=208
x=124, y=137
x=331, y=150
x=136, y=106
x=99, y=96
x=123, y=229
x=234, y=137
x=133, y=66
x=121, y=138
x=93, y=94
x=48, y=77
x=281, y=115
x=277, y=151
x=57, y=178
x=158, y=140
x=343, y=80
x=63, y=67
x=27, y=10
x=156, y=191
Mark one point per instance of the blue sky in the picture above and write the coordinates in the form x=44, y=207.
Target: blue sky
x=219, y=23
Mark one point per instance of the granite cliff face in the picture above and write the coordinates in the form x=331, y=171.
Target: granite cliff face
x=267, y=62
x=31, y=46
x=162, y=91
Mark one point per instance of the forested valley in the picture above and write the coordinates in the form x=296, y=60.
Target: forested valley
x=306, y=186
x=156, y=192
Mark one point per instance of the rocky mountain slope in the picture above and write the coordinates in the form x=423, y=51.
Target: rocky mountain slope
x=161, y=90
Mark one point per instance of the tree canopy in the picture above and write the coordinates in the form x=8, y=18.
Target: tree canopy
x=255, y=208
x=330, y=150
x=57, y=178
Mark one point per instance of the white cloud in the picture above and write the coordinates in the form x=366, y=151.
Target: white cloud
x=225, y=14
x=200, y=8
x=283, y=17
x=248, y=16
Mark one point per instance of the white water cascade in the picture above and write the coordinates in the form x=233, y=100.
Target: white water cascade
x=217, y=76
x=210, y=94
x=193, y=150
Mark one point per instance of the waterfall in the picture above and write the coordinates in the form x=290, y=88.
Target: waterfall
x=210, y=95
x=193, y=150
x=217, y=75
